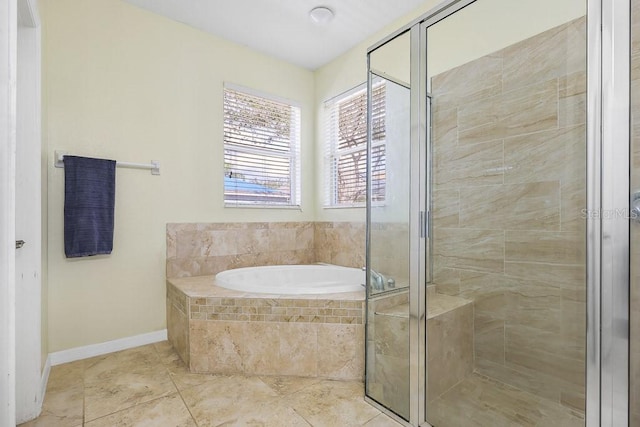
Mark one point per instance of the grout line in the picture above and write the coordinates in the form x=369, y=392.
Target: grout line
x=128, y=408
x=178, y=391
x=301, y=416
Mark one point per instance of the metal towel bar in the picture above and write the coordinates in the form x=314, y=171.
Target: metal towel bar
x=154, y=165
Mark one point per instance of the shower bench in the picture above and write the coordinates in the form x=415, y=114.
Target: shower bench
x=449, y=350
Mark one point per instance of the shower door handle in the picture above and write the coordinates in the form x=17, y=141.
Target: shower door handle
x=424, y=224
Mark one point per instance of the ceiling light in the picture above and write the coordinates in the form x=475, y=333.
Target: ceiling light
x=321, y=15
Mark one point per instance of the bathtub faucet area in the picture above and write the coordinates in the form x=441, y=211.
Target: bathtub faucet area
x=378, y=280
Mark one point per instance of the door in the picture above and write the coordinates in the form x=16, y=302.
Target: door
x=390, y=261
x=8, y=21
x=28, y=214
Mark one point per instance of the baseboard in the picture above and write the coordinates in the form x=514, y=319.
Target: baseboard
x=85, y=352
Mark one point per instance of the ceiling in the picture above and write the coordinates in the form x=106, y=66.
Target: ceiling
x=282, y=28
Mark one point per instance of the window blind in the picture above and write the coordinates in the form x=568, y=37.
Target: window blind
x=346, y=147
x=261, y=150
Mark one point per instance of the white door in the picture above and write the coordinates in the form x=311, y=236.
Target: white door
x=8, y=26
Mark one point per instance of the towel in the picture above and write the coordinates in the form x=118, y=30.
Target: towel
x=89, y=201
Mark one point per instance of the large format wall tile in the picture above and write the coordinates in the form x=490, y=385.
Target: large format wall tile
x=446, y=207
x=554, y=53
x=520, y=111
x=475, y=164
x=545, y=247
x=554, y=155
x=529, y=109
x=572, y=101
x=201, y=249
x=531, y=206
x=482, y=79
x=479, y=250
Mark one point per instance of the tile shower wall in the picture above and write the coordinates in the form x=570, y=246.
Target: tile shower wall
x=509, y=167
x=198, y=249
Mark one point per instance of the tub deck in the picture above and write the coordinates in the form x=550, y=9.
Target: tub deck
x=205, y=287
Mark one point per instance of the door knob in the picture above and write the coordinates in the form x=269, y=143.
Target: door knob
x=19, y=243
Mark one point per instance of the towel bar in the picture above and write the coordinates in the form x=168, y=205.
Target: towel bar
x=154, y=165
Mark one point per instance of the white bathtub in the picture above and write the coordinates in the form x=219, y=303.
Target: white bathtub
x=293, y=279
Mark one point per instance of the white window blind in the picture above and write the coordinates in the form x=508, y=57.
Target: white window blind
x=346, y=147
x=261, y=150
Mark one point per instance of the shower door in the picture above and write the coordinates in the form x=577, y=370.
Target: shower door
x=389, y=252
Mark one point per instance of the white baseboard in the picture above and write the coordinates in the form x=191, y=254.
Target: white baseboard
x=85, y=352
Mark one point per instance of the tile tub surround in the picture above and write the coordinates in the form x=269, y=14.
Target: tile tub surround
x=199, y=249
x=508, y=232
x=221, y=331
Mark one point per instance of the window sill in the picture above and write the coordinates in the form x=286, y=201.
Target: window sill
x=241, y=206
x=345, y=207
x=358, y=206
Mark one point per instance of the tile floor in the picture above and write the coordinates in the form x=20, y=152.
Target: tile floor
x=479, y=401
x=150, y=386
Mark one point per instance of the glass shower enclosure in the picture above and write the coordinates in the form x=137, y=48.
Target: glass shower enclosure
x=489, y=278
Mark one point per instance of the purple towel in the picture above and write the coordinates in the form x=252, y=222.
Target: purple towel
x=89, y=201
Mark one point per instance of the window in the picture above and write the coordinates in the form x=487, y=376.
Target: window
x=346, y=148
x=261, y=150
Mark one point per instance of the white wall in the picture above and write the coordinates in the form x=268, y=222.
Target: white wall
x=126, y=84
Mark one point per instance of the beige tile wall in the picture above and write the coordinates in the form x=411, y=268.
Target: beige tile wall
x=178, y=322
x=199, y=249
x=331, y=351
x=340, y=243
x=509, y=173
x=634, y=395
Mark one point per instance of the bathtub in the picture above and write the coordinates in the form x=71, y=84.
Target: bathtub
x=298, y=320
x=293, y=279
